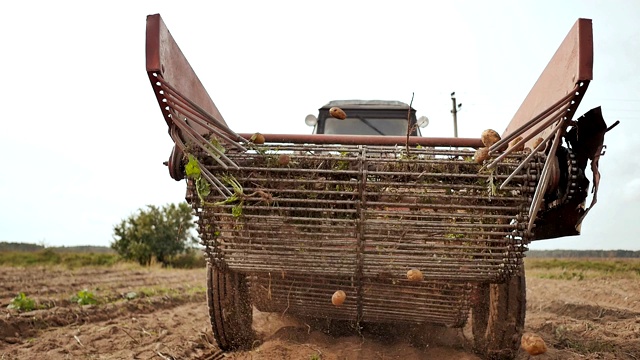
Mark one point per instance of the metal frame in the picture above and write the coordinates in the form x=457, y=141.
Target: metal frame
x=448, y=226
x=541, y=116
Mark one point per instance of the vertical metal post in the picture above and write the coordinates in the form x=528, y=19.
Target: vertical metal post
x=455, y=114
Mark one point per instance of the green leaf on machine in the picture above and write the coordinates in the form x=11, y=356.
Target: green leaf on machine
x=237, y=198
x=236, y=211
x=491, y=185
x=192, y=169
x=202, y=187
x=230, y=180
x=216, y=145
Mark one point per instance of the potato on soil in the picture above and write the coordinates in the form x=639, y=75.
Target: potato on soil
x=533, y=344
x=415, y=275
x=514, y=142
x=489, y=137
x=338, y=298
x=481, y=155
x=337, y=113
x=257, y=139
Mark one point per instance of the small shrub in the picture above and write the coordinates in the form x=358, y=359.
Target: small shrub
x=564, y=275
x=85, y=297
x=22, y=303
x=191, y=259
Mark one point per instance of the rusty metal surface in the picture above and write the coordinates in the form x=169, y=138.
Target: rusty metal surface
x=586, y=140
x=571, y=65
x=356, y=218
x=354, y=213
x=368, y=140
x=439, y=302
x=547, y=111
x=164, y=58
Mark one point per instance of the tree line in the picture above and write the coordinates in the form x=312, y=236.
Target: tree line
x=583, y=254
x=160, y=234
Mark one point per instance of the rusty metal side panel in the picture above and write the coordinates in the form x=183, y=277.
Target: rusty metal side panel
x=570, y=65
x=368, y=140
x=164, y=57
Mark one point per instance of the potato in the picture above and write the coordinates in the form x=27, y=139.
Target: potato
x=533, y=344
x=338, y=298
x=515, y=141
x=489, y=137
x=337, y=113
x=537, y=142
x=415, y=275
x=257, y=138
x=284, y=159
x=481, y=155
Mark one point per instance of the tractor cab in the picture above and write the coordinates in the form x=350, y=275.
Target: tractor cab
x=367, y=117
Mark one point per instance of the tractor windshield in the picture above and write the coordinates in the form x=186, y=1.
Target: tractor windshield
x=366, y=126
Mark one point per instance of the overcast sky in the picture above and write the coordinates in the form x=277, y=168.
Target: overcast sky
x=82, y=139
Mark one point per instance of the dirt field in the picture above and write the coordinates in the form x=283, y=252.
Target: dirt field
x=166, y=318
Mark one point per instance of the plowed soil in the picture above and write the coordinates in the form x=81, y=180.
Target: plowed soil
x=167, y=318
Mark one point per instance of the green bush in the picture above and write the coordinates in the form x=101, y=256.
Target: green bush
x=22, y=303
x=155, y=234
x=84, y=297
x=191, y=259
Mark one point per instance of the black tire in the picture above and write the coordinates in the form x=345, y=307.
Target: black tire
x=230, y=308
x=498, y=315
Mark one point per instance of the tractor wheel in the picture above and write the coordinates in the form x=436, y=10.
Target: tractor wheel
x=230, y=308
x=498, y=316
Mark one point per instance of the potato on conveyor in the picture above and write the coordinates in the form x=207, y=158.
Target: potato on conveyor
x=489, y=137
x=337, y=113
x=537, y=142
x=284, y=159
x=514, y=142
x=257, y=139
x=338, y=298
x=481, y=155
x=415, y=275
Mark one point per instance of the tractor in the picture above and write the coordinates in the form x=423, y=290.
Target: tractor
x=367, y=221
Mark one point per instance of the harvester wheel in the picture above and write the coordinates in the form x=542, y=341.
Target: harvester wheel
x=230, y=308
x=498, y=317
